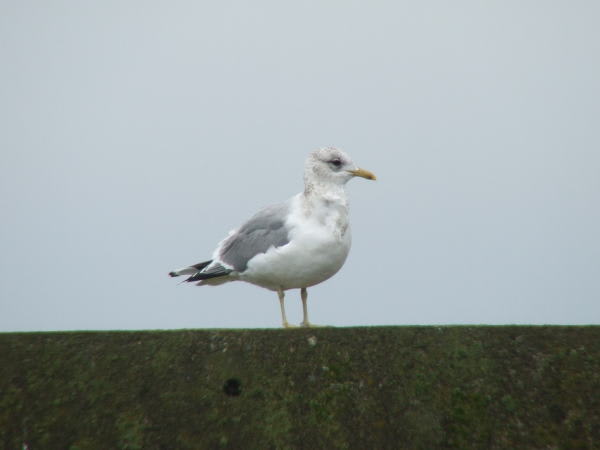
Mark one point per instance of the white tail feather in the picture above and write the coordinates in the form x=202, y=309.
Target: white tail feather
x=184, y=271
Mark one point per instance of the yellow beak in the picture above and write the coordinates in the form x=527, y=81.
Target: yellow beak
x=363, y=173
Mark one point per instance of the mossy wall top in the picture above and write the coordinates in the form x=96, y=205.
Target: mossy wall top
x=364, y=388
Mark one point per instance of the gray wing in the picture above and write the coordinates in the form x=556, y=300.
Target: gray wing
x=264, y=230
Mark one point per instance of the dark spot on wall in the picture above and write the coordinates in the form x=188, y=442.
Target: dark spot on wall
x=232, y=387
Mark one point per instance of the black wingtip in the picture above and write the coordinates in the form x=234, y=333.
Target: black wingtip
x=215, y=272
x=195, y=277
x=172, y=274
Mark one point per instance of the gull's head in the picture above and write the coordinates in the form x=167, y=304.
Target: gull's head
x=332, y=166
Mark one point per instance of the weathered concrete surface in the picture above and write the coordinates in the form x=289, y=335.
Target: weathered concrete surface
x=364, y=388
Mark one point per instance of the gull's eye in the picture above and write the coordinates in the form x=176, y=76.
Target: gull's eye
x=337, y=163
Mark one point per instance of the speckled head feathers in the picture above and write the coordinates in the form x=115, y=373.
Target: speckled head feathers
x=331, y=166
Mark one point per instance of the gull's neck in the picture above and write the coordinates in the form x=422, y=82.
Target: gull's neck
x=324, y=191
x=316, y=195
x=327, y=205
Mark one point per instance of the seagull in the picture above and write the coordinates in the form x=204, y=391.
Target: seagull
x=291, y=245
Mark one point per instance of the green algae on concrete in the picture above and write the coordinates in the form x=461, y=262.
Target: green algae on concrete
x=380, y=387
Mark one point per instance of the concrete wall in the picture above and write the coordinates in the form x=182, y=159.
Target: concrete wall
x=364, y=388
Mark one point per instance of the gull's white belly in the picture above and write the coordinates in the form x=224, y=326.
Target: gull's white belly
x=309, y=258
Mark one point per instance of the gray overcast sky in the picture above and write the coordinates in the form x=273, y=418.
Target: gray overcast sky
x=135, y=135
